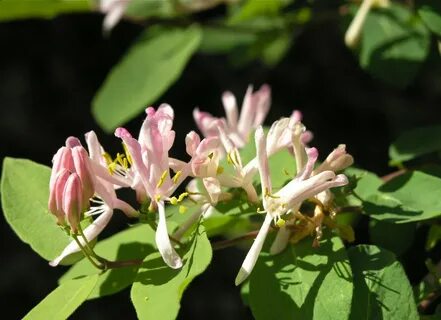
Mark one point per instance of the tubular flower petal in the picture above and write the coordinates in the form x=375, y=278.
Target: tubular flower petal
x=73, y=201
x=254, y=109
x=169, y=254
x=287, y=199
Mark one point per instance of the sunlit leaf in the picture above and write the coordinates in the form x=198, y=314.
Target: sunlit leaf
x=381, y=288
x=135, y=243
x=303, y=283
x=151, y=66
x=25, y=194
x=158, y=289
x=413, y=196
x=23, y=9
x=64, y=300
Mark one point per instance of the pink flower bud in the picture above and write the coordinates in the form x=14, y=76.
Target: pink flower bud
x=73, y=201
x=73, y=142
x=84, y=171
x=61, y=160
x=56, y=195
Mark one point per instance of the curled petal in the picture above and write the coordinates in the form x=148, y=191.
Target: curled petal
x=192, y=140
x=168, y=253
x=312, y=155
x=91, y=232
x=246, y=113
x=253, y=253
x=135, y=152
x=281, y=241
x=230, y=106
x=213, y=188
x=263, y=103
x=262, y=158
x=95, y=149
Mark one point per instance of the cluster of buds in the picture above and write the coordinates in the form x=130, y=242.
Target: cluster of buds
x=81, y=178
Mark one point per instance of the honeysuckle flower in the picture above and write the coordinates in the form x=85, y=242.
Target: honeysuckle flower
x=151, y=162
x=254, y=109
x=71, y=159
x=106, y=201
x=336, y=161
x=114, y=10
x=288, y=199
x=240, y=178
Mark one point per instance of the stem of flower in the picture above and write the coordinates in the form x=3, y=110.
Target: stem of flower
x=87, y=254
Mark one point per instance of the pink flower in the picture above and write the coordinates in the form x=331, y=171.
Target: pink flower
x=104, y=184
x=151, y=162
x=255, y=107
x=287, y=199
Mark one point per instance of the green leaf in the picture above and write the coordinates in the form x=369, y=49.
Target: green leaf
x=391, y=236
x=64, y=300
x=393, y=45
x=150, y=67
x=158, y=289
x=430, y=13
x=415, y=143
x=224, y=40
x=303, y=283
x=23, y=9
x=142, y=9
x=256, y=8
x=407, y=198
x=245, y=293
x=25, y=194
x=364, y=185
x=381, y=288
x=134, y=243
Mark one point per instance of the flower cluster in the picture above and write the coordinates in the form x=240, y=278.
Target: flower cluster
x=83, y=182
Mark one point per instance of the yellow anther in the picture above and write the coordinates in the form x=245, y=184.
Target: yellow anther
x=126, y=151
x=280, y=223
x=162, y=179
x=182, y=196
x=157, y=198
x=229, y=160
x=119, y=158
x=174, y=201
x=112, y=167
x=182, y=209
x=177, y=176
x=107, y=158
x=219, y=170
x=269, y=195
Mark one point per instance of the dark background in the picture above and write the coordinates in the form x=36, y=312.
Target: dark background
x=50, y=70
